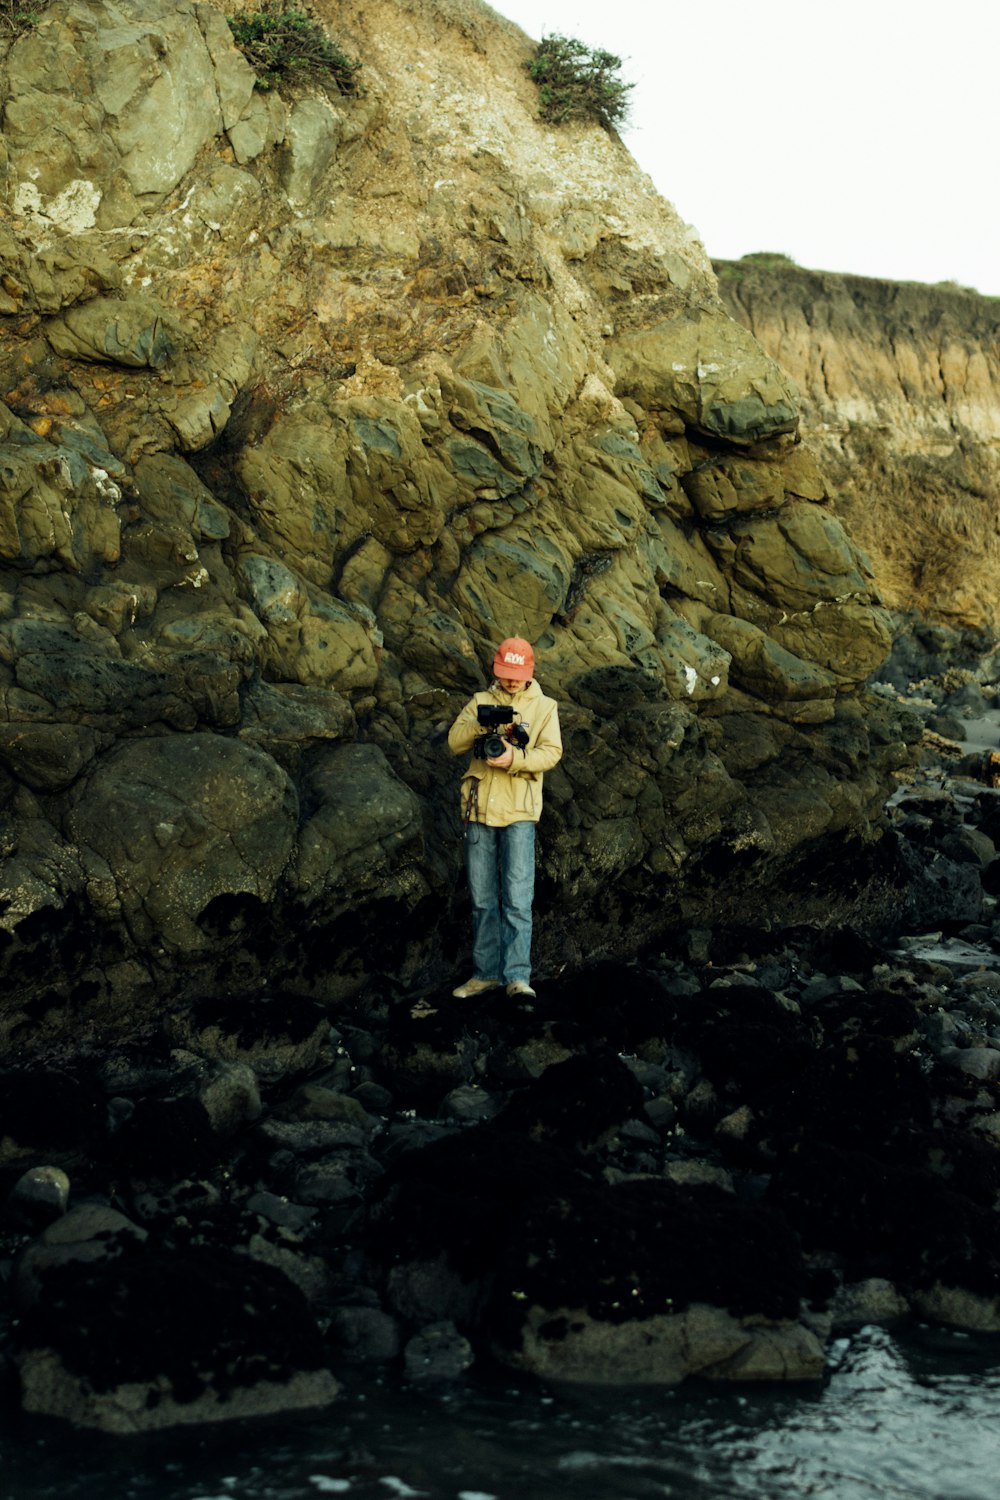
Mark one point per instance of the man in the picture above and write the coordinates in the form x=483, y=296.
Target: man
x=501, y=803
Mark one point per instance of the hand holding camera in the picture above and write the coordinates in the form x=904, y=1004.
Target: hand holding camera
x=497, y=745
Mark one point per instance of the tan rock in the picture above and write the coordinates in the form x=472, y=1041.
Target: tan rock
x=708, y=1341
x=710, y=374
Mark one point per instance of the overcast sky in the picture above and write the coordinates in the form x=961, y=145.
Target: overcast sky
x=861, y=136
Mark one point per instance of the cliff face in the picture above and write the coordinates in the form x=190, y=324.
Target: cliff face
x=309, y=400
x=900, y=399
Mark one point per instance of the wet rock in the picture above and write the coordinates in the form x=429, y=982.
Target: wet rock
x=874, y=1300
x=313, y=1101
x=279, y=1211
x=37, y=1197
x=231, y=1098
x=698, y=1173
x=644, y=1250
x=423, y=1291
x=437, y=1353
x=48, y=1112
x=959, y=1308
x=306, y=1272
x=660, y=1111
x=574, y=1102
x=976, y=1062
x=167, y=1137
x=335, y=1180
x=570, y=1345
x=469, y=1104
x=308, y=1138
x=200, y=1337
x=365, y=1335
x=92, y=1233
x=373, y=1097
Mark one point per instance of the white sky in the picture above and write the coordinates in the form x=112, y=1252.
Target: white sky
x=853, y=135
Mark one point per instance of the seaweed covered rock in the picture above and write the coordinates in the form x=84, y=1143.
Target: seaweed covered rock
x=156, y=1339
x=648, y=1282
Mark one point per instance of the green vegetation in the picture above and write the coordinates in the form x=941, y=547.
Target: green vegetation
x=771, y=259
x=578, y=83
x=766, y=260
x=956, y=286
x=283, y=44
x=16, y=18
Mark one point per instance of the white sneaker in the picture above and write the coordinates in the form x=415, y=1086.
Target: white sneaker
x=521, y=987
x=475, y=987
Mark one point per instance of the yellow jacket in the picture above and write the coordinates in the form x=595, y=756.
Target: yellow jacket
x=497, y=797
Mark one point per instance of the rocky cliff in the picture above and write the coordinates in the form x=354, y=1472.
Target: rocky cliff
x=900, y=399
x=308, y=400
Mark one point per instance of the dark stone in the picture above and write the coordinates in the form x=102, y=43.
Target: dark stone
x=201, y=1318
x=641, y=1248
x=167, y=1139
x=574, y=1102
x=882, y=1216
x=461, y=1195
x=48, y=1110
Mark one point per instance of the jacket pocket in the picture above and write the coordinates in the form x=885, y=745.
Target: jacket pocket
x=526, y=796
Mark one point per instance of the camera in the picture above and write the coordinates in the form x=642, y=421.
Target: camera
x=492, y=744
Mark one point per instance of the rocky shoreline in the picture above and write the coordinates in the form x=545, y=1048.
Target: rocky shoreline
x=709, y=1161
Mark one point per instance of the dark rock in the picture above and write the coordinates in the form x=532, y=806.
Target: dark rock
x=574, y=1102
x=278, y=1210
x=459, y=1197
x=338, y=1179
x=167, y=1138
x=437, y=1353
x=881, y=1216
x=373, y=1097
x=364, y=1335
x=947, y=725
x=274, y=1034
x=39, y=1196
x=661, y=1112
x=639, y=1249
x=469, y=1104
x=49, y=1111
x=157, y=1339
x=91, y=1233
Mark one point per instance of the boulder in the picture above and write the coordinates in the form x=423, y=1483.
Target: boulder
x=709, y=374
x=159, y=1340
x=570, y=1345
x=180, y=821
x=365, y=835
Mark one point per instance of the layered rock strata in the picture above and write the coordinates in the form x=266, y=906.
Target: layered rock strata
x=900, y=399
x=308, y=400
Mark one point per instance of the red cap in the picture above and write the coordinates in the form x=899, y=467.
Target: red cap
x=514, y=659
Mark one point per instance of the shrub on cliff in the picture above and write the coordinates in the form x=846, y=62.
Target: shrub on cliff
x=282, y=43
x=576, y=82
x=16, y=17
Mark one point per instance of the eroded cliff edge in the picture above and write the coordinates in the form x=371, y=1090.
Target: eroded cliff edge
x=900, y=399
x=308, y=400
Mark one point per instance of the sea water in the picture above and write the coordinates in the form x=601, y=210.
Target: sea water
x=900, y=1416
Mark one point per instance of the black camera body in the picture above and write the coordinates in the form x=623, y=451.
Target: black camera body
x=493, y=718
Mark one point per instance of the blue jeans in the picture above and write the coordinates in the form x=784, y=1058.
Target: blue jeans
x=500, y=864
